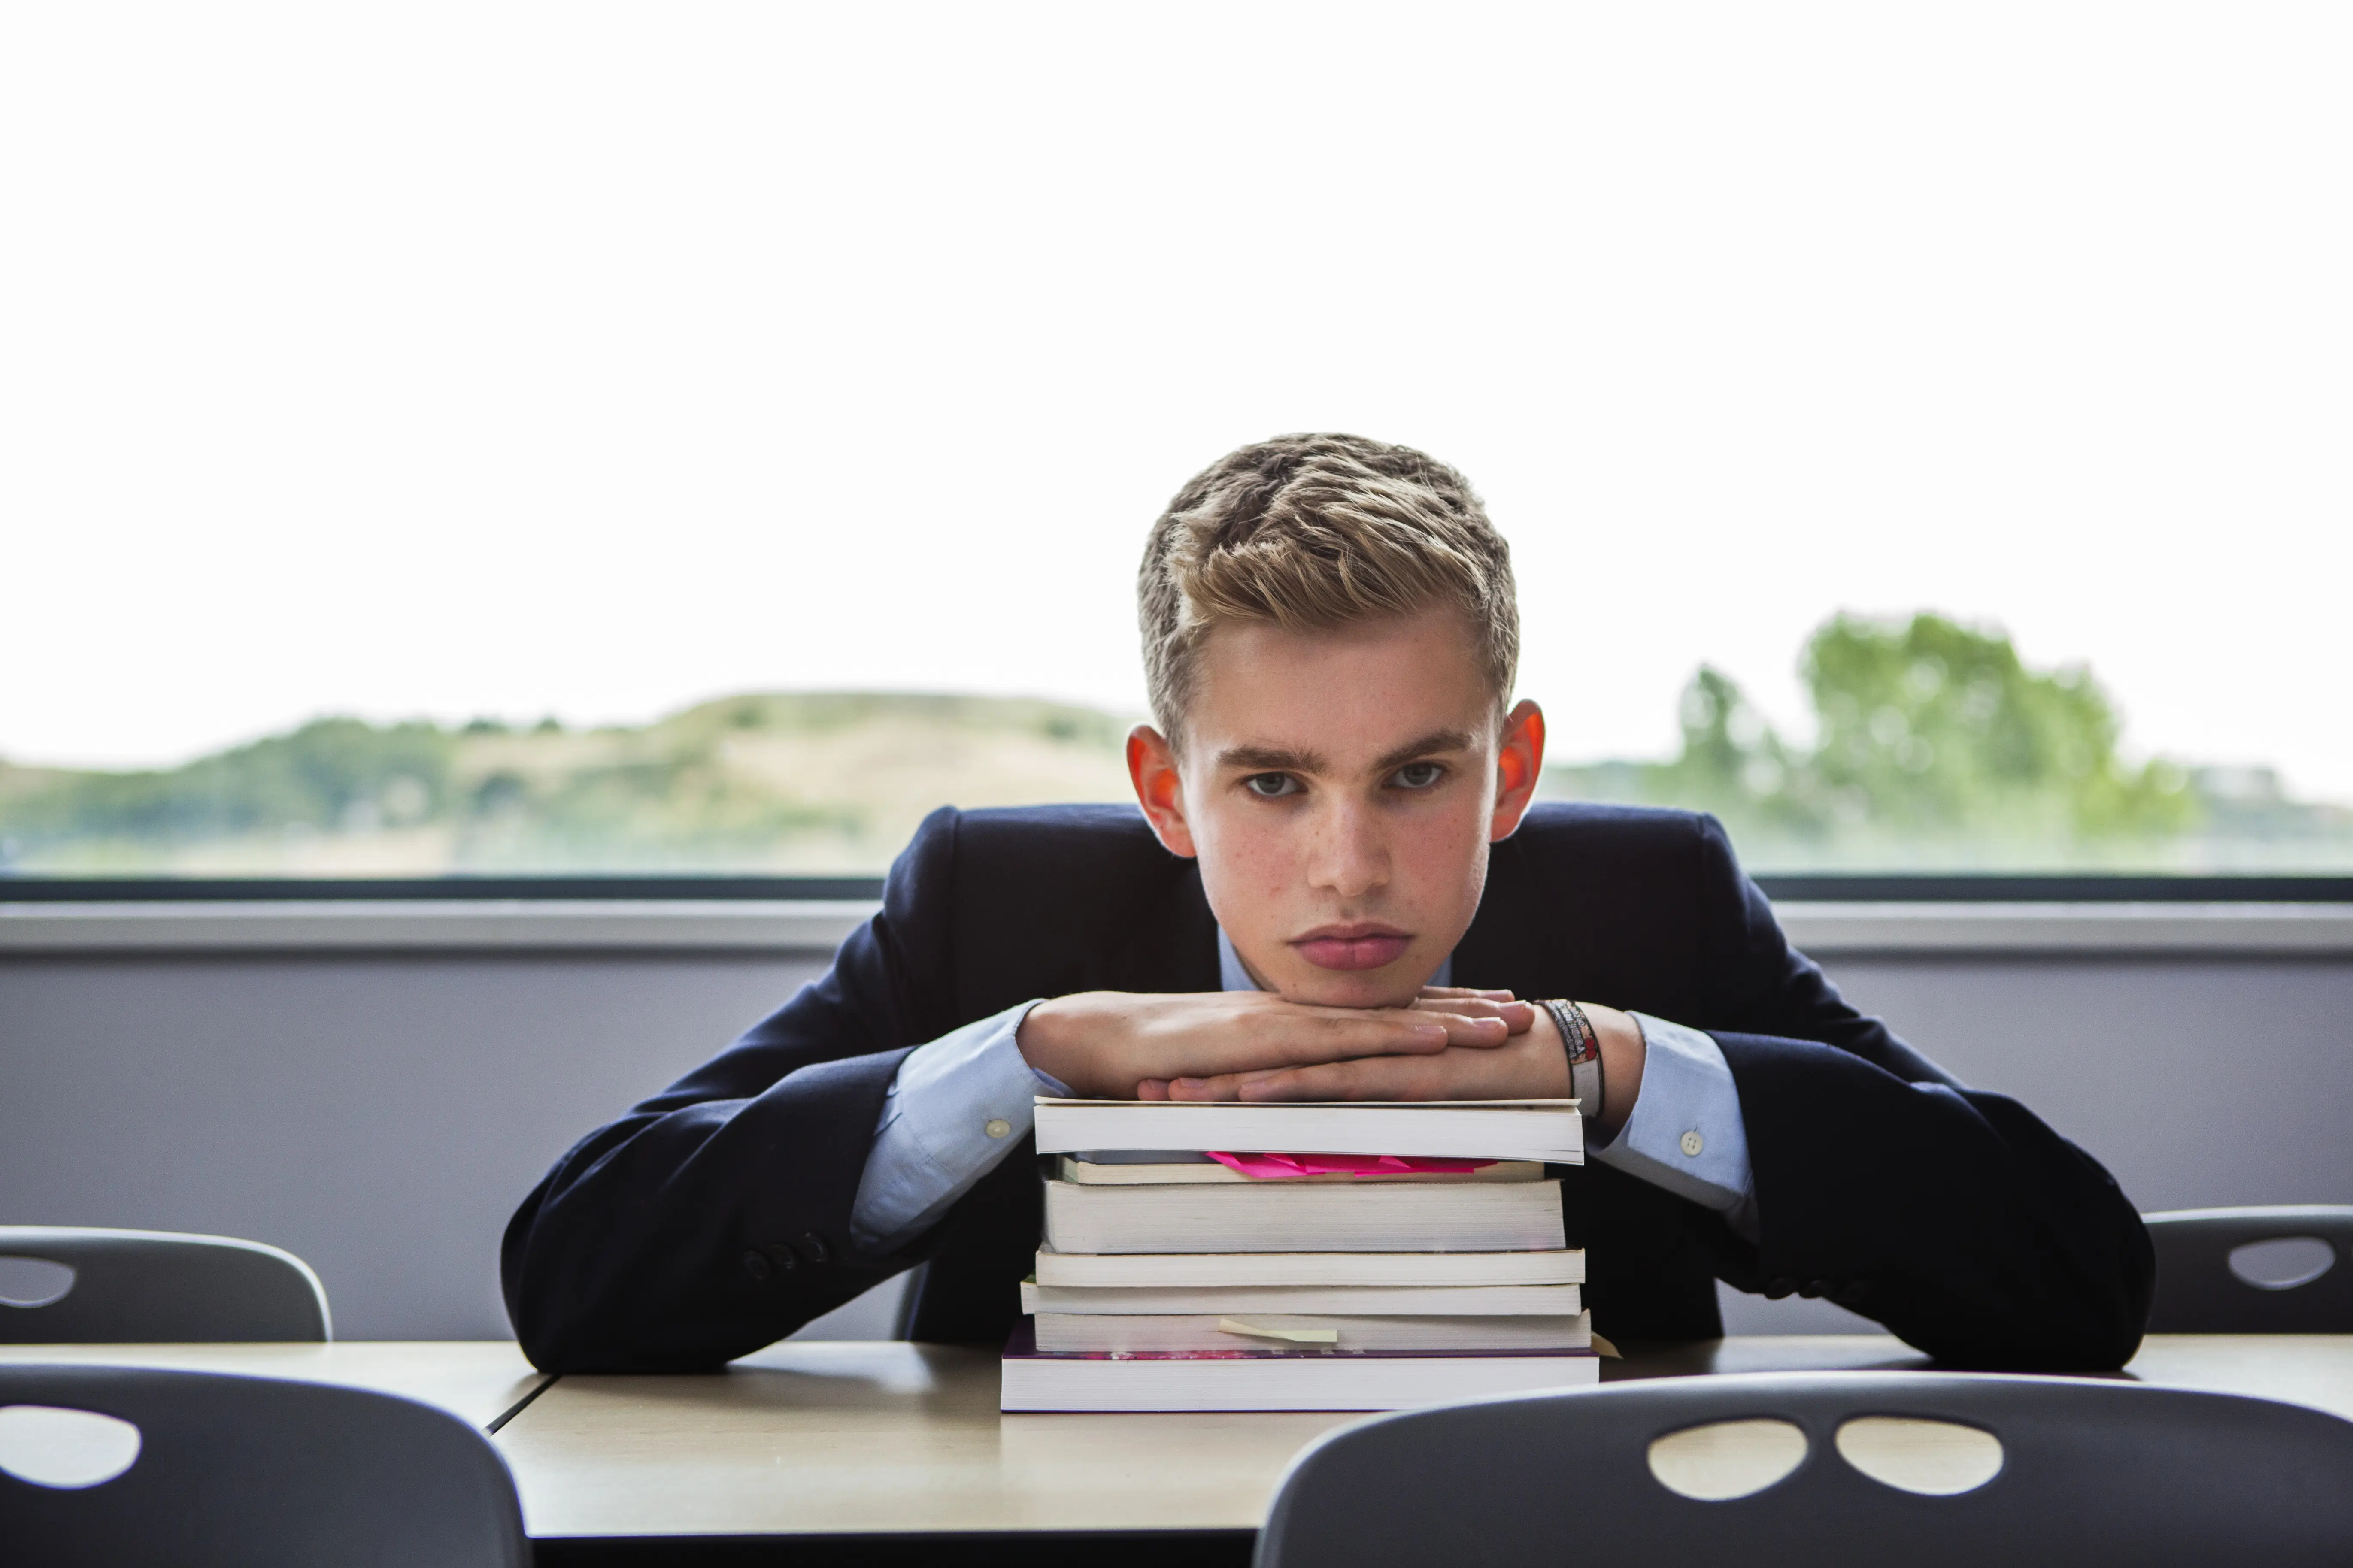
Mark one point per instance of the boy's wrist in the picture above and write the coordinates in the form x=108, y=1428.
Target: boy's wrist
x=1044, y=1044
x=1623, y=1051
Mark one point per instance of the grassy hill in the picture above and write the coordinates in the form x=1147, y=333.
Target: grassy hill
x=1936, y=749
x=805, y=783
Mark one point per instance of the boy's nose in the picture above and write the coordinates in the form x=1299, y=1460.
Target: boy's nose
x=1349, y=856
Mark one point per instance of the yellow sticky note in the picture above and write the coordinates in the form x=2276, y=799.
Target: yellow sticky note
x=1292, y=1336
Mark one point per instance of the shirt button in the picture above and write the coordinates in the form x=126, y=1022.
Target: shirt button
x=998, y=1127
x=1693, y=1143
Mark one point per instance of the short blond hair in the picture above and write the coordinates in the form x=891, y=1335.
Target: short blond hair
x=1316, y=531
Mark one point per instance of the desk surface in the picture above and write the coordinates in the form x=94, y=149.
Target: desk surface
x=859, y=1438
x=879, y=1437
x=476, y=1380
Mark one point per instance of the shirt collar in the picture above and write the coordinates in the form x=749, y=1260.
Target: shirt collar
x=1232, y=976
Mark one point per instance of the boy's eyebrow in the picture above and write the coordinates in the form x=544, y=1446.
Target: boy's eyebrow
x=1281, y=759
x=1436, y=741
x=1271, y=759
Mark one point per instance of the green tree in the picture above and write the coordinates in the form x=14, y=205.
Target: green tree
x=1937, y=728
x=330, y=773
x=1935, y=744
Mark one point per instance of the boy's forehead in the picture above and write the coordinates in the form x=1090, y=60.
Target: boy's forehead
x=1351, y=694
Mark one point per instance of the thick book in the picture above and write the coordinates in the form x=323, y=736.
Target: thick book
x=1543, y=1130
x=1277, y=1379
x=1383, y=1300
x=1209, y=1173
x=1186, y=1270
x=1080, y=1331
x=1290, y=1216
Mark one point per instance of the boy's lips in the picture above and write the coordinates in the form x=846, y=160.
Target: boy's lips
x=1353, y=946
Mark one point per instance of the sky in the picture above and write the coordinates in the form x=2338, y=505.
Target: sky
x=592, y=360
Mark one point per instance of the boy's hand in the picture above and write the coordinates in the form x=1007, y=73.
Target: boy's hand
x=1530, y=1065
x=1119, y=1045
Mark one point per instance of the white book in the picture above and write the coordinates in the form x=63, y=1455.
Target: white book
x=1182, y=1270
x=1208, y=1334
x=1545, y=1130
x=1280, y=1380
x=1209, y=1173
x=1382, y=1300
x=1280, y=1216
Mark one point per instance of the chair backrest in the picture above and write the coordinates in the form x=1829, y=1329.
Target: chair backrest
x=1826, y=1468
x=2304, y=1287
x=249, y=1471
x=155, y=1286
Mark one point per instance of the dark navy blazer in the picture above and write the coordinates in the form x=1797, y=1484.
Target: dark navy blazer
x=714, y=1217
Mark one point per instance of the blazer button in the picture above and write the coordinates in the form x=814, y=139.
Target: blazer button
x=1814, y=1289
x=756, y=1264
x=813, y=1246
x=1777, y=1289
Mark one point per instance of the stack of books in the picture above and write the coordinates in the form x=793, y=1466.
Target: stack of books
x=1288, y=1257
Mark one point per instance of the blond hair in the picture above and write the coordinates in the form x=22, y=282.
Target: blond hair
x=1311, y=532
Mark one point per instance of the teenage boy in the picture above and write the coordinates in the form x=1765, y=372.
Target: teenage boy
x=1337, y=887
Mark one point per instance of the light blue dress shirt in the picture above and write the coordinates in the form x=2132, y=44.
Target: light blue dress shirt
x=960, y=1104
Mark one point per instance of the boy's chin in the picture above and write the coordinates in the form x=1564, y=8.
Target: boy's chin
x=1351, y=988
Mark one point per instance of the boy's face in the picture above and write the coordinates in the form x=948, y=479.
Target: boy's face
x=1340, y=789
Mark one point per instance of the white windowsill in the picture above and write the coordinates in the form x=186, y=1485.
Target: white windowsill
x=817, y=927
x=2112, y=928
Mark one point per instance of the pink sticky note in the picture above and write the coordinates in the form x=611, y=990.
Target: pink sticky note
x=1277, y=1167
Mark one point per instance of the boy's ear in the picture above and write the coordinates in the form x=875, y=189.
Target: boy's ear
x=1152, y=768
x=1519, y=763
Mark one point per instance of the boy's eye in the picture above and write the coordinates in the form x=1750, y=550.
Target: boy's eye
x=1271, y=787
x=1417, y=775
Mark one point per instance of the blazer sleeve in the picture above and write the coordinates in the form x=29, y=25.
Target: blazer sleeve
x=715, y=1219
x=1953, y=1215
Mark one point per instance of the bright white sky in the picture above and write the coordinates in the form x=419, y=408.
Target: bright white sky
x=458, y=359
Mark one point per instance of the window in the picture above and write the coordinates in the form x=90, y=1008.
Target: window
x=538, y=441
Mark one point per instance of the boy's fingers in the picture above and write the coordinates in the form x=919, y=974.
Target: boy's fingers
x=1518, y=1016
x=1280, y=1084
x=1305, y=1036
x=1394, y=1077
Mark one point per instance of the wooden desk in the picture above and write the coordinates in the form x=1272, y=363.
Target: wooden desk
x=883, y=1440
x=865, y=1439
x=476, y=1380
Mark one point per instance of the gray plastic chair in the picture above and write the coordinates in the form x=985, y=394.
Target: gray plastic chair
x=2200, y=1290
x=130, y=1286
x=256, y=1473
x=2089, y=1471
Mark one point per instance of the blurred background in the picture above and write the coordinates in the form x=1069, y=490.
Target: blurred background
x=598, y=450
x=601, y=439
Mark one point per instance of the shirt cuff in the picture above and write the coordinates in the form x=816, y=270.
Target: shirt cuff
x=957, y=1107
x=1686, y=1133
